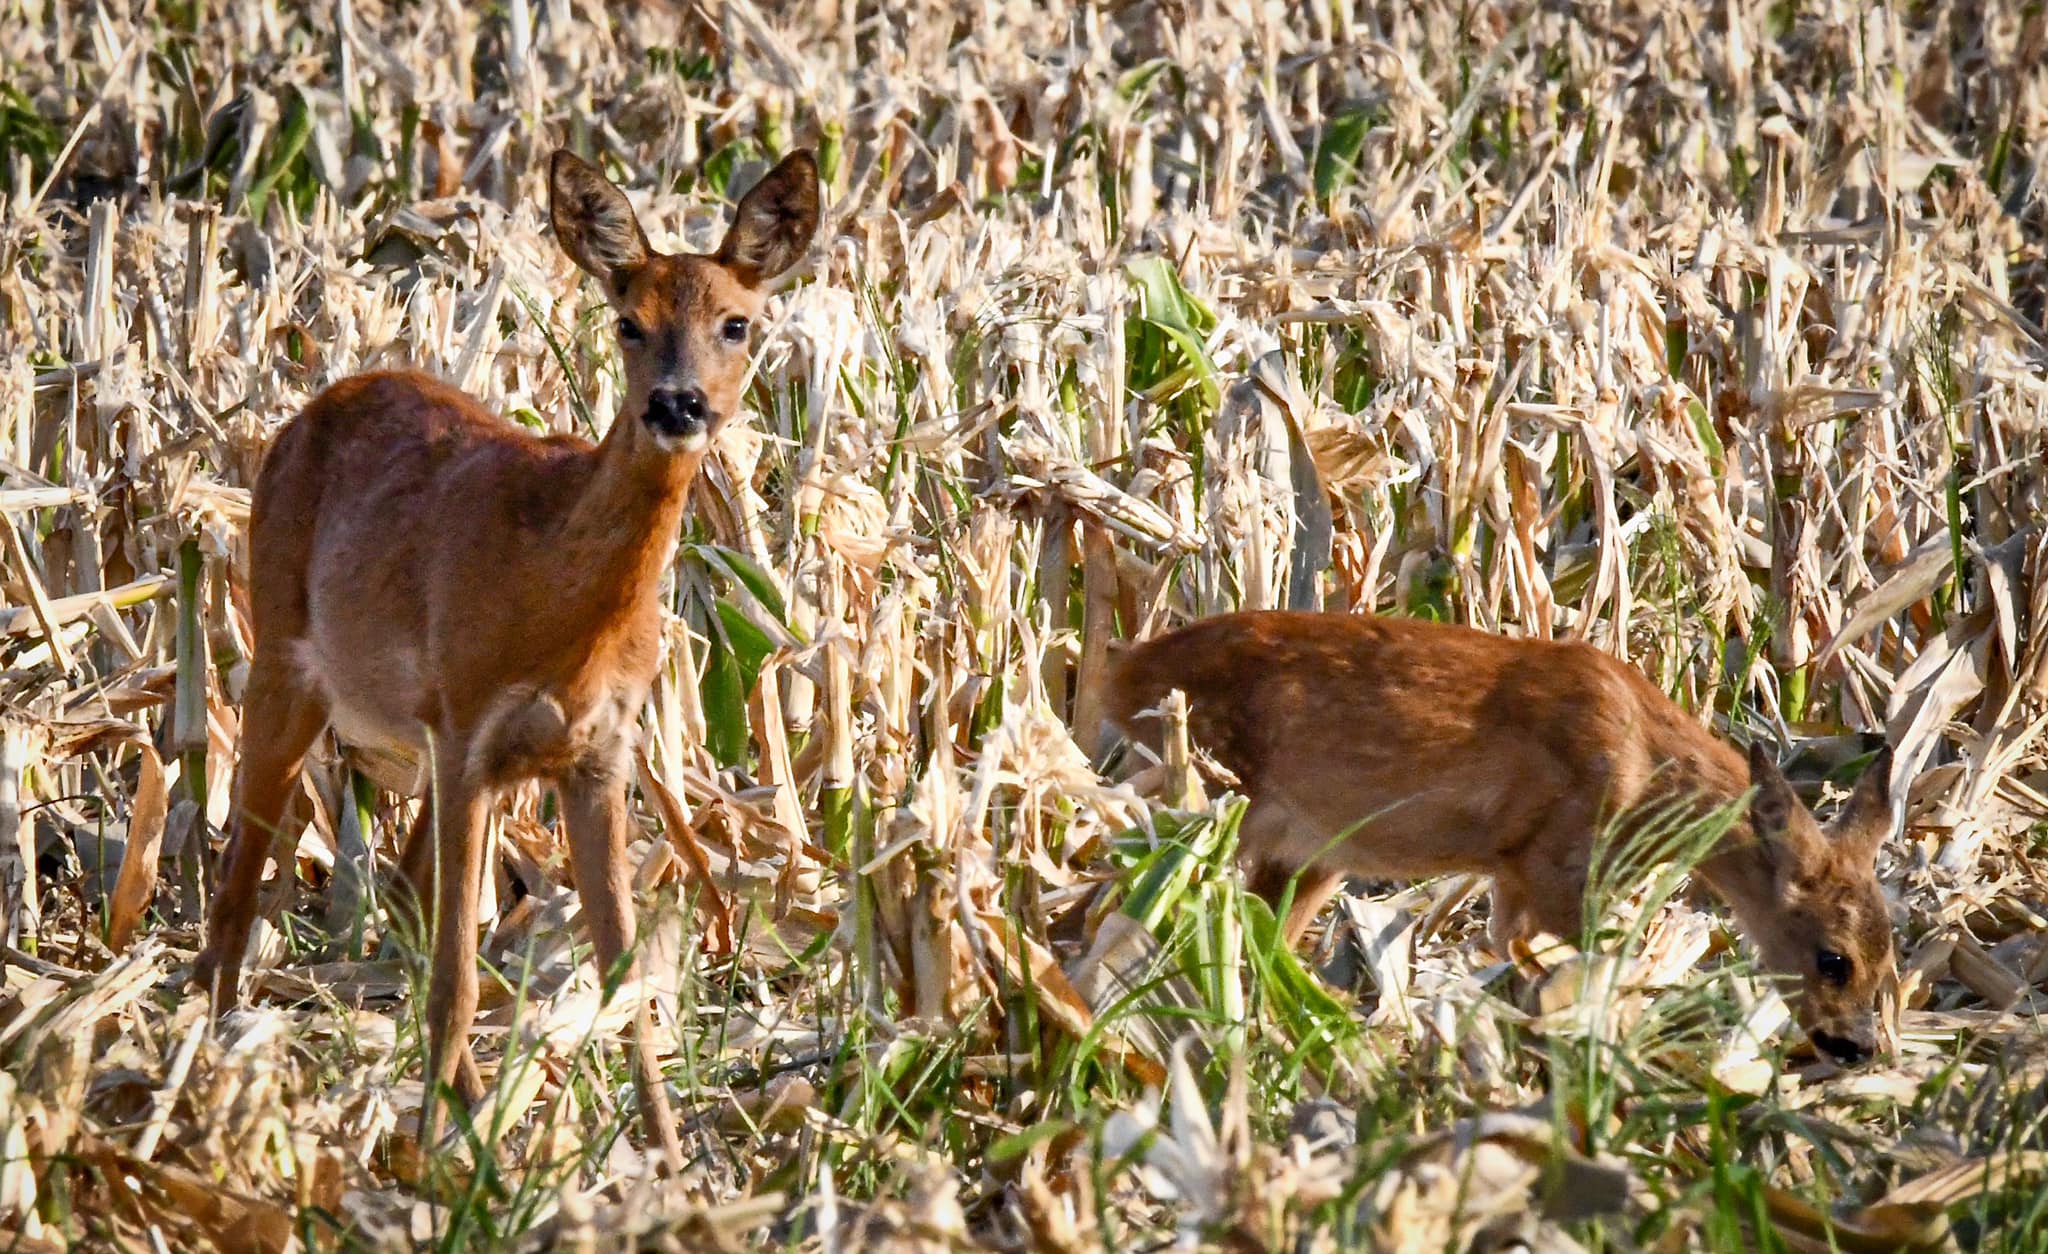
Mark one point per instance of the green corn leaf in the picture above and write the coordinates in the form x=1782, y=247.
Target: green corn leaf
x=1337, y=156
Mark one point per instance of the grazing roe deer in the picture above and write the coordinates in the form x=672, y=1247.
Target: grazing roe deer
x=1400, y=748
x=427, y=576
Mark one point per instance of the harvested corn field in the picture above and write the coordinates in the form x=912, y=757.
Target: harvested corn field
x=1710, y=335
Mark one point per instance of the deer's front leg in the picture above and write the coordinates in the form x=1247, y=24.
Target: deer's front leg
x=594, y=808
x=461, y=808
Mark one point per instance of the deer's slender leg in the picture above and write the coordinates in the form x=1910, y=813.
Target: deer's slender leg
x=1311, y=893
x=1508, y=920
x=281, y=715
x=593, y=806
x=1552, y=870
x=414, y=883
x=461, y=804
x=1557, y=902
x=1271, y=839
x=1313, y=887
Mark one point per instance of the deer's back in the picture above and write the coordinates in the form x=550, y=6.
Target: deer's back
x=1453, y=741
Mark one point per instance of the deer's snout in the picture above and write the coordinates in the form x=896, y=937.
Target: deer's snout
x=1850, y=1051
x=678, y=413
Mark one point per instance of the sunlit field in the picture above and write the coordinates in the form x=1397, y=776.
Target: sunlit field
x=1710, y=334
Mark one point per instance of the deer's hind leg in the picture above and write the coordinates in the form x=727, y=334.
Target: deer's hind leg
x=282, y=713
x=413, y=886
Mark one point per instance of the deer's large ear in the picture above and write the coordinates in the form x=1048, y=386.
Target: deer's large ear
x=594, y=223
x=1866, y=818
x=1773, y=805
x=776, y=219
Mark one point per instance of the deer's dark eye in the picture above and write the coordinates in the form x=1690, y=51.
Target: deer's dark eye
x=1833, y=967
x=734, y=330
x=630, y=332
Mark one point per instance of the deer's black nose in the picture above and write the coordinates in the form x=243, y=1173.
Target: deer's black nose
x=678, y=412
x=1845, y=1050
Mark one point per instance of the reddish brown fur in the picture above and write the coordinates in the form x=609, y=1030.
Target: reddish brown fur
x=423, y=572
x=1398, y=748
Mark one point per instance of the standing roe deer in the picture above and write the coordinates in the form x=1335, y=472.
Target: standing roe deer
x=1399, y=748
x=427, y=576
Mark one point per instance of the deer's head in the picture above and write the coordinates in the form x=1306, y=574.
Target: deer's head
x=1825, y=921
x=685, y=320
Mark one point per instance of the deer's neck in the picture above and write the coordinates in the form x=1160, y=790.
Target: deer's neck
x=1739, y=872
x=624, y=524
x=1704, y=773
